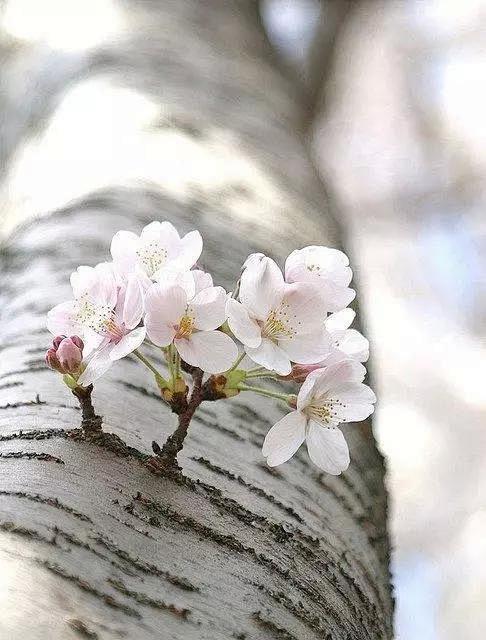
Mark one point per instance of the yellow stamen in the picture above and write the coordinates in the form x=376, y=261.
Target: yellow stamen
x=277, y=326
x=185, y=328
x=152, y=256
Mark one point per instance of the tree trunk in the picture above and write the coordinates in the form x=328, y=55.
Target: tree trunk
x=93, y=545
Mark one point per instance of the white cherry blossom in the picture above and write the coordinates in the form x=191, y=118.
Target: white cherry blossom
x=104, y=314
x=329, y=396
x=158, y=248
x=345, y=341
x=278, y=323
x=326, y=267
x=190, y=324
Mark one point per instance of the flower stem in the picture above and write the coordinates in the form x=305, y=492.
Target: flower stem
x=256, y=370
x=147, y=363
x=237, y=362
x=264, y=392
x=263, y=374
x=177, y=364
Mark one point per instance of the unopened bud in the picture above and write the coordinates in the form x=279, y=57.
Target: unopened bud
x=78, y=342
x=70, y=355
x=66, y=354
x=52, y=361
x=57, y=341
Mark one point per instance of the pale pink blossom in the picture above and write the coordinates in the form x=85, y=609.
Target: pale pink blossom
x=278, y=323
x=159, y=248
x=329, y=397
x=346, y=342
x=172, y=317
x=326, y=267
x=106, y=316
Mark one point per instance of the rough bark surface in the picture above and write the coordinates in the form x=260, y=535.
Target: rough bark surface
x=93, y=545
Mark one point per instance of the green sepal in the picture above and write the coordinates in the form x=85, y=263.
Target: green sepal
x=161, y=382
x=70, y=381
x=234, y=378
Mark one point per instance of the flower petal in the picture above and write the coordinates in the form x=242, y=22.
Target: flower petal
x=305, y=307
x=261, y=287
x=270, y=356
x=202, y=280
x=163, y=234
x=208, y=308
x=314, y=262
x=253, y=258
x=327, y=379
x=242, y=325
x=61, y=319
x=124, y=251
x=284, y=438
x=98, y=364
x=337, y=298
x=104, y=288
x=164, y=308
x=307, y=349
x=133, y=303
x=327, y=448
x=354, y=345
x=81, y=280
x=354, y=402
x=340, y=320
x=211, y=351
x=92, y=341
x=128, y=343
x=190, y=250
x=170, y=276
x=305, y=395
x=327, y=267
x=166, y=304
x=159, y=333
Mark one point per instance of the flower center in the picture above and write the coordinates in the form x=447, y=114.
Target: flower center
x=325, y=411
x=185, y=327
x=314, y=268
x=152, y=256
x=321, y=413
x=277, y=325
x=114, y=331
x=99, y=318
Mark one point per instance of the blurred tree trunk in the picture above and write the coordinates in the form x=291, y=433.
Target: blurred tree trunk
x=92, y=545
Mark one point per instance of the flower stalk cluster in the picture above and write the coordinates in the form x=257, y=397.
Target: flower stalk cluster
x=293, y=325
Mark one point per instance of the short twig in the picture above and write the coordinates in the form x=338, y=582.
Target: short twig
x=91, y=422
x=167, y=455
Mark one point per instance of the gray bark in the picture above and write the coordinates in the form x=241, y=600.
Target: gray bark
x=92, y=545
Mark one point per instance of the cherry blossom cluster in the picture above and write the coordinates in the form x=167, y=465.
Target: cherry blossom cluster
x=294, y=326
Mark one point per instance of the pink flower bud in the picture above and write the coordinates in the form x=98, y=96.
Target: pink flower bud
x=78, y=342
x=66, y=354
x=57, y=341
x=300, y=372
x=70, y=355
x=52, y=361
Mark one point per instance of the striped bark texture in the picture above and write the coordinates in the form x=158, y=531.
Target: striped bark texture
x=92, y=544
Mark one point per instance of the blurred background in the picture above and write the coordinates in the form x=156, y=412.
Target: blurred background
x=397, y=127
